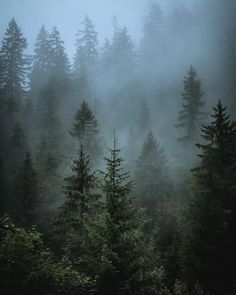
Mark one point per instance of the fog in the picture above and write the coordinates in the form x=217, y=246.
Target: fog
x=90, y=89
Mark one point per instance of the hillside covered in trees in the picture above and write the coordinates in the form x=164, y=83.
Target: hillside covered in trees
x=118, y=165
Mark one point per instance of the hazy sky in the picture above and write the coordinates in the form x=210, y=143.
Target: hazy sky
x=68, y=14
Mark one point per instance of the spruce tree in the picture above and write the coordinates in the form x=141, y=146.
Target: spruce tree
x=207, y=253
x=153, y=184
x=27, y=195
x=41, y=67
x=78, y=223
x=78, y=192
x=13, y=67
x=49, y=145
x=123, y=55
x=190, y=116
x=85, y=129
x=59, y=59
x=125, y=271
x=86, y=56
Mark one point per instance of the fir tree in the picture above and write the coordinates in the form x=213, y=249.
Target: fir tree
x=41, y=67
x=190, y=116
x=208, y=247
x=153, y=184
x=78, y=224
x=49, y=145
x=123, y=55
x=59, y=59
x=27, y=194
x=122, y=274
x=86, y=49
x=13, y=67
x=78, y=192
x=85, y=129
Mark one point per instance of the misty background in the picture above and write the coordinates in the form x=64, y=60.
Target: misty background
x=90, y=89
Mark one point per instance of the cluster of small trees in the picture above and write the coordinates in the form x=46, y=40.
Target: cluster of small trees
x=105, y=231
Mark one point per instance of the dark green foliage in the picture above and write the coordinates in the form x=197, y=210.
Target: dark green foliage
x=154, y=189
x=49, y=152
x=207, y=253
x=27, y=201
x=190, y=116
x=27, y=267
x=79, y=197
x=79, y=224
x=41, y=62
x=49, y=62
x=49, y=146
x=85, y=129
x=13, y=67
x=127, y=269
x=16, y=150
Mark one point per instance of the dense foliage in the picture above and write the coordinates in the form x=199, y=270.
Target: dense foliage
x=72, y=219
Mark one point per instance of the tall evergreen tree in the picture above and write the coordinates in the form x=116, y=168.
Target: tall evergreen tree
x=86, y=56
x=208, y=253
x=78, y=224
x=153, y=184
x=123, y=274
x=79, y=196
x=59, y=59
x=85, y=129
x=123, y=55
x=190, y=116
x=13, y=67
x=49, y=144
x=41, y=63
x=27, y=195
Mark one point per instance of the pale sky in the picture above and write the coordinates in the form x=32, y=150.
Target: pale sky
x=68, y=14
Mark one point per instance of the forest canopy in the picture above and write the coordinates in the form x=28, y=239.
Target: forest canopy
x=118, y=165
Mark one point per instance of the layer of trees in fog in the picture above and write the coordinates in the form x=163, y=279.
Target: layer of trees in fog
x=118, y=167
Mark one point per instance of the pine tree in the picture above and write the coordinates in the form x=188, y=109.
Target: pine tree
x=153, y=183
x=13, y=67
x=78, y=224
x=85, y=129
x=122, y=274
x=78, y=192
x=123, y=55
x=50, y=127
x=190, y=116
x=41, y=67
x=86, y=49
x=27, y=195
x=59, y=59
x=49, y=145
x=207, y=253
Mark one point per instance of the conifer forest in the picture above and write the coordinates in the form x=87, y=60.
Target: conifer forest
x=118, y=147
